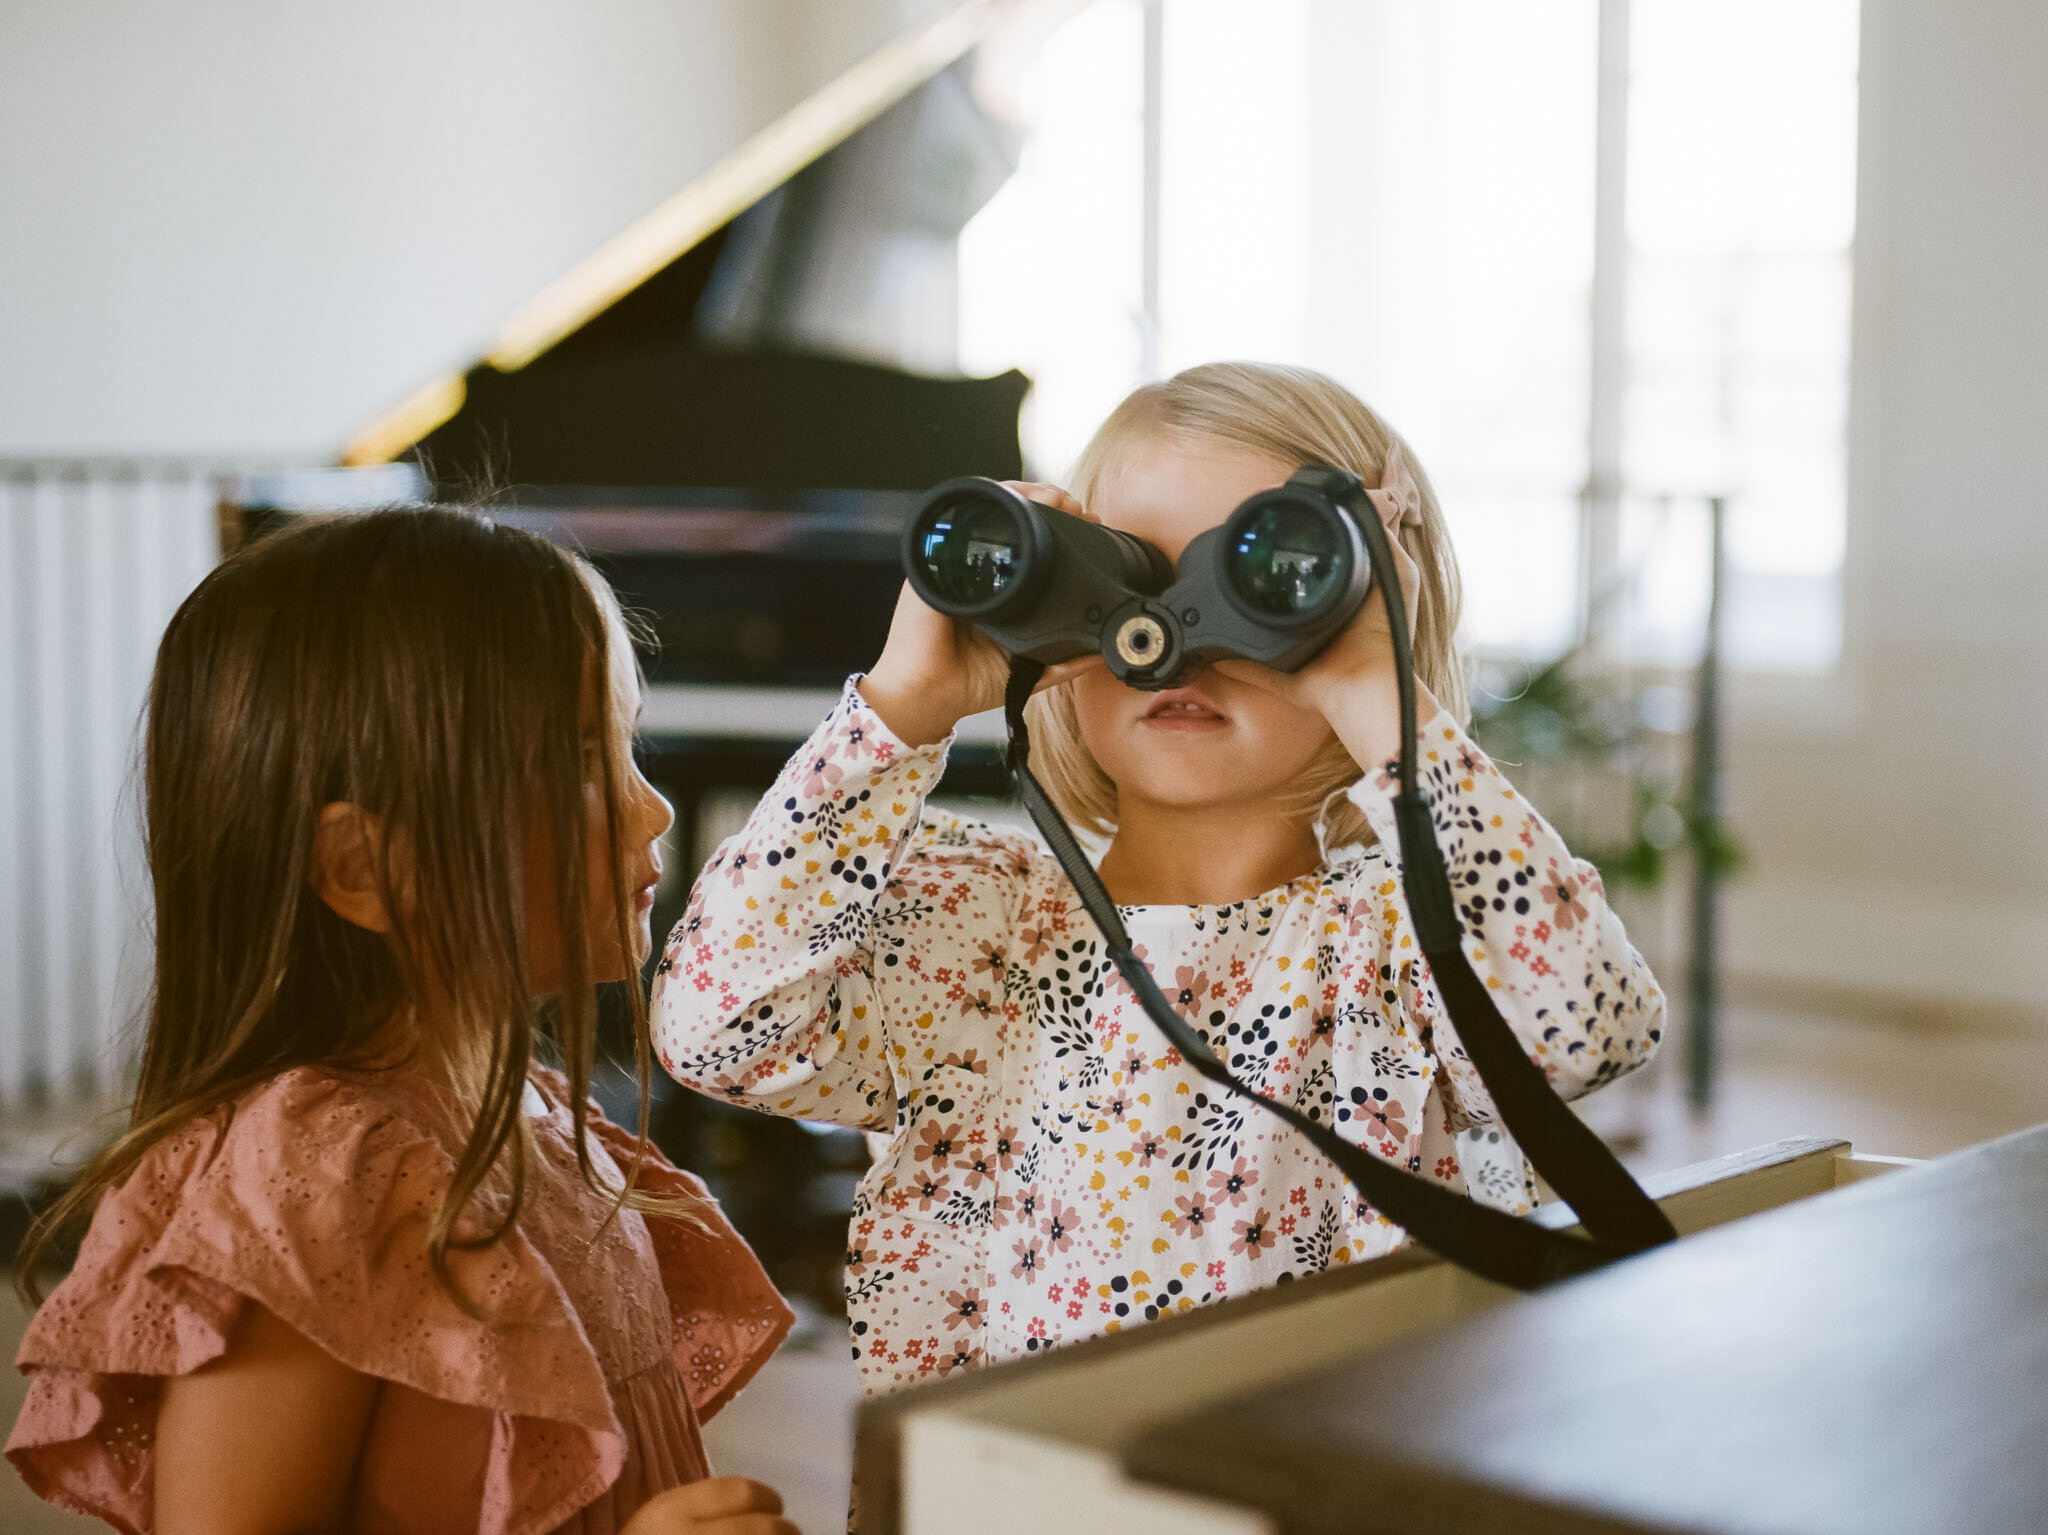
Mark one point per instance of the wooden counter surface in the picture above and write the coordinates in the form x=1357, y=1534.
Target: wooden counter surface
x=1873, y=1361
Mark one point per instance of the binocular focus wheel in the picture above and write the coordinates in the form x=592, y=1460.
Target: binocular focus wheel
x=1140, y=640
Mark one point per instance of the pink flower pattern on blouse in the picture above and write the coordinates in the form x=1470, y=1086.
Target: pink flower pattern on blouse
x=1052, y=1170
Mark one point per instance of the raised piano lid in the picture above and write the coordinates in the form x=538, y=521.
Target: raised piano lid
x=938, y=34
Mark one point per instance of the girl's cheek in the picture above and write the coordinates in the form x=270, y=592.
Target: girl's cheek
x=1095, y=712
x=1292, y=732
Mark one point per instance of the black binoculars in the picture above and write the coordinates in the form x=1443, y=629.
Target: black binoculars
x=1273, y=583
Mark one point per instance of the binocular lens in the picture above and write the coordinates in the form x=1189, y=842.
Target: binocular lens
x=972, y=550
x=1286, y=559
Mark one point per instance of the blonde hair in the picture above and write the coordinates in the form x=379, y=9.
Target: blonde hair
x=1300, y=417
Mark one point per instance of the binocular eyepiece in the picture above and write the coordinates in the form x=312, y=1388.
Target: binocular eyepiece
x=1274, y=583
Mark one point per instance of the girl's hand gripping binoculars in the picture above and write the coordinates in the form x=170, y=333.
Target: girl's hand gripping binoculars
x=1273, y=583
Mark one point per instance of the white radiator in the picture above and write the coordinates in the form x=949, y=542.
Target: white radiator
x=94, y=558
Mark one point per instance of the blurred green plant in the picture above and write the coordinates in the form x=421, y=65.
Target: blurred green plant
x=1606, y=759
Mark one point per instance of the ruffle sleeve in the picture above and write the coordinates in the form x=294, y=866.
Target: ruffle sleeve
x=311, y=1196
x=728, y=1316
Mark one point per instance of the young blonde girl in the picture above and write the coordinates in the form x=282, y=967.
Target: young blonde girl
x=1052, y=1169
x=360, y=1261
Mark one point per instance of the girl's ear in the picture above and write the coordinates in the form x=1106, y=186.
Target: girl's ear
x=347, y=847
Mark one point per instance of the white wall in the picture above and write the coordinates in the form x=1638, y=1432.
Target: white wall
x=236, y=231
x=1897, y=814
x=251, y=226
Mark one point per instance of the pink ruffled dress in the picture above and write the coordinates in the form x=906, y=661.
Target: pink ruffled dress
x=311, y=1195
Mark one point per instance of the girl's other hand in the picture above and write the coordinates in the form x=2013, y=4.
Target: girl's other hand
x=934, y=671
x=1352, y=682
x=719, y=1505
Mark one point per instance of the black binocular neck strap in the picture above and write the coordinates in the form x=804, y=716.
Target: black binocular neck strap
x=1618, y=1216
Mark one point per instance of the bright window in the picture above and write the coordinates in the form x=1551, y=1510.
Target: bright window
x=1402, y=193
x=1741, y=211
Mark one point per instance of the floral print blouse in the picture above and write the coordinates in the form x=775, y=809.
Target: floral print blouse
x=1052, y=1169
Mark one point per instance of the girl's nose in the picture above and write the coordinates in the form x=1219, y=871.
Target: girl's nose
x=654, y=805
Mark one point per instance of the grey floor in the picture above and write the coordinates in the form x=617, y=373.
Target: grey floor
x=1888, y=1087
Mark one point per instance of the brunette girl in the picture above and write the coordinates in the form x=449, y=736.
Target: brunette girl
x=360, y=1260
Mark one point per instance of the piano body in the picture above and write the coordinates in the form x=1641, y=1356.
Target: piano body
x=744, y=491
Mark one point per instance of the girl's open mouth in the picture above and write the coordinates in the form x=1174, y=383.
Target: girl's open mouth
x=1182, y=709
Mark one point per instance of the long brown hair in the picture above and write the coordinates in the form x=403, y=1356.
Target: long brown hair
x=429, y=667
x=1298, y=416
